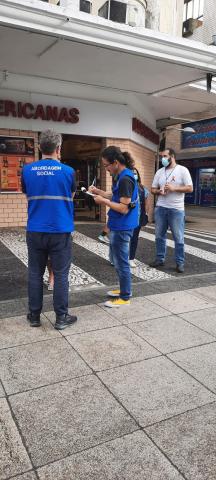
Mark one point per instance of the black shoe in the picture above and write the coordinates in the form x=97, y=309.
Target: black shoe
x=180, y=268
x=34, y=319
x=157, y=263
x=64, y=321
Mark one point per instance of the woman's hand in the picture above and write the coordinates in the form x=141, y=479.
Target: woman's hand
x=99, y=199
x=94, y=190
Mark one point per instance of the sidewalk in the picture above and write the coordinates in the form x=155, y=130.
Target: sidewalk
x=201, y=218
x=125, y=394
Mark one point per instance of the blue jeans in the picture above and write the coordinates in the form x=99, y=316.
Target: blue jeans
x=120, y=247
x=175, y=219
x=56, y=246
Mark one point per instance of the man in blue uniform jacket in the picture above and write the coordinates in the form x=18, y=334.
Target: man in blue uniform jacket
x=49, y=186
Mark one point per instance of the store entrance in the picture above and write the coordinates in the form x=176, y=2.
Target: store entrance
x=82, y=153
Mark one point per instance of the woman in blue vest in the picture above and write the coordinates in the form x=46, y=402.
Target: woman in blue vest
x=123, y=203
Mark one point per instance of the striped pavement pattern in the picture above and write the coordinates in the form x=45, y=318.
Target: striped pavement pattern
x=80, y=277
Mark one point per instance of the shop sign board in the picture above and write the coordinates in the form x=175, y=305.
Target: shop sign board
x=204, y=136
x=146, y=132
x=9, y=108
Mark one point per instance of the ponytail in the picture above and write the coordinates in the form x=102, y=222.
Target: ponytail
x=129, y=161
x=113, y=153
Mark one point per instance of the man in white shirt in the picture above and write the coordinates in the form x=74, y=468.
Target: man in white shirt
x=170, y=184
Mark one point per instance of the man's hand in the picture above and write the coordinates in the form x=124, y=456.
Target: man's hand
x=162, y=191
x=169, y=187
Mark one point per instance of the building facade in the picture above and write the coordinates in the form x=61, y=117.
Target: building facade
x=86, y=128
x=95, y=81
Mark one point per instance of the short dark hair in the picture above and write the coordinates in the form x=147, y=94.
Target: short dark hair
x=49, y=141
x=172, y=152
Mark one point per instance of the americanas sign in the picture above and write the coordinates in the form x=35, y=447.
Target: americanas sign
x=8, y=108
x=204, y=136
x=142, y=129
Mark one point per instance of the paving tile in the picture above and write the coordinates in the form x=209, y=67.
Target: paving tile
x=26, y=476
x=199, y=362
x=87, y=297
x=208, y=293
x=205, y=319
x=189, y=441
x=179, y=302
x=139, y=310
x=155, y=389
x=13, y=456
x=62, y=419
x=170, y=333
x=131, y=457
x=143, y=289
x=170, y=285
x=17, y=331
x=48, y=362
x=11, y=308
x=111, y=347
x=90, y=317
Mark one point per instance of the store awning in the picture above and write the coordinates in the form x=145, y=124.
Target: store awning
x=196, y=155
x=44, y=50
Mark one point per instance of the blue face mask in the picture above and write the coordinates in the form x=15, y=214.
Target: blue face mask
x=135, y=176
x=165, y=161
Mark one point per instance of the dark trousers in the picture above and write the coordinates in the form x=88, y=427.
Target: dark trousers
x=56, y=246
x=134, y=242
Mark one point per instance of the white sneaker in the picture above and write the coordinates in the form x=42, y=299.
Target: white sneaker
x=118, y=302
x=103, y=238
x=132, y=263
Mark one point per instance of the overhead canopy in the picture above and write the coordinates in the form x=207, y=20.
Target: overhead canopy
x=46, y=51
x=180, y=105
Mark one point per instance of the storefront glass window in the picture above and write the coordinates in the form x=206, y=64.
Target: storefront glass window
x=15, y=152
x=207, y=186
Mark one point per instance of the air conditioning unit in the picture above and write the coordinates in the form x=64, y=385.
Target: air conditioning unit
x=132, y=15
x=116, y=11
x=131, y=12
x=190, y=25
x=85, y=6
